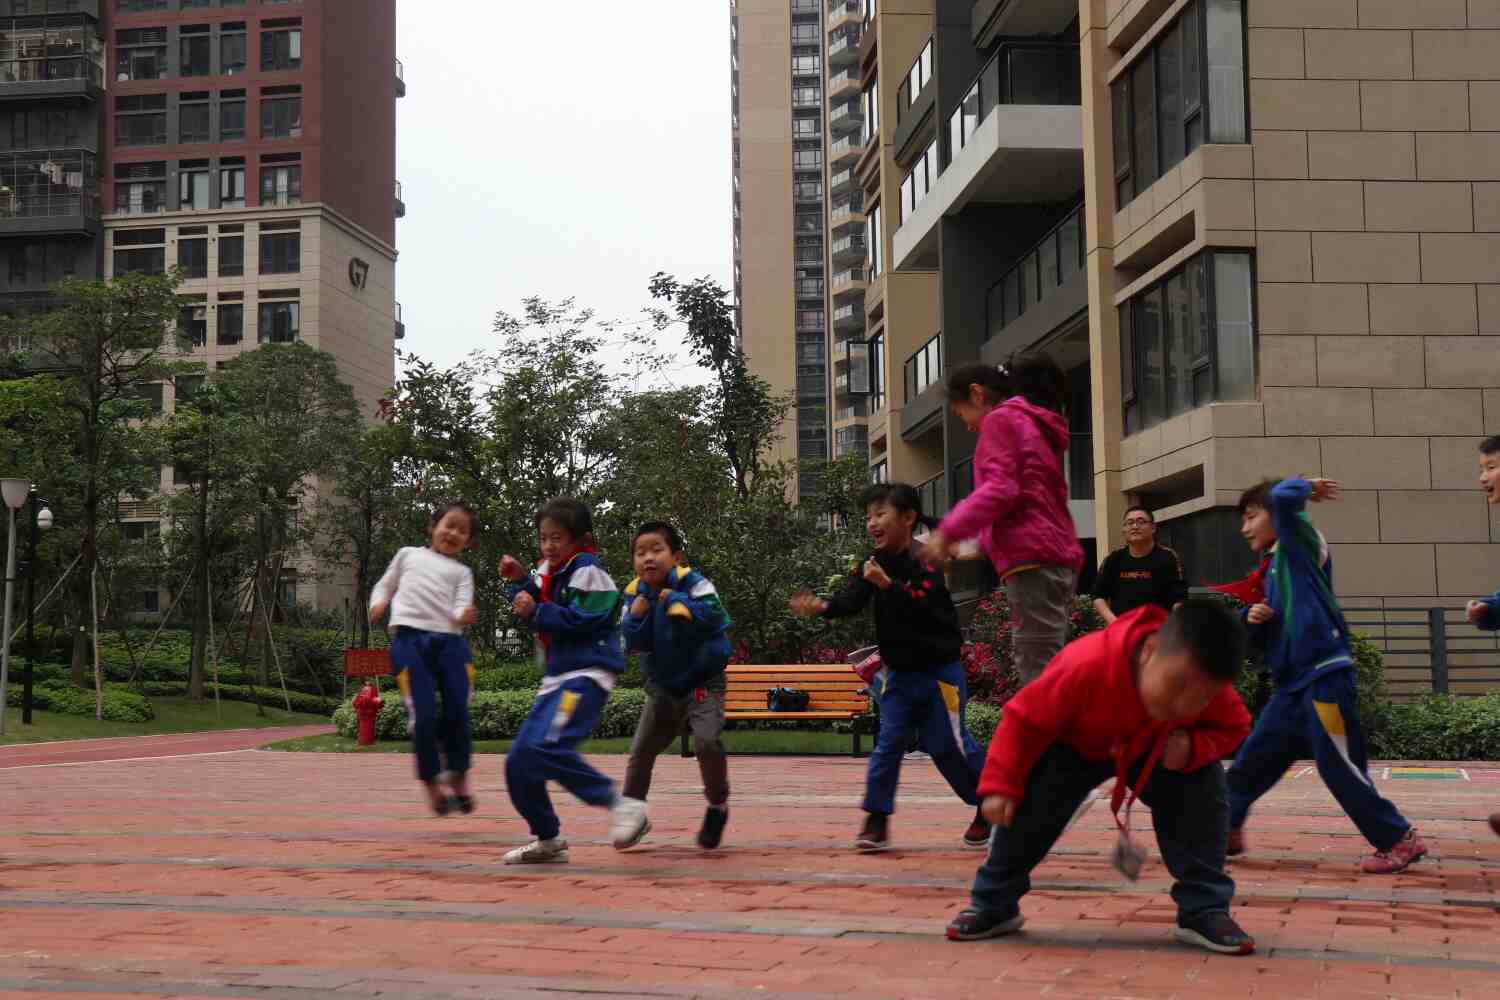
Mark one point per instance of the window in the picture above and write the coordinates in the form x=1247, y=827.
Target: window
x=919, y=181
x=916, y=81
x=877, y=373
x=141, y=120
x=232, y=48
x=880, y=472
x=231, y=255
x=140, y=188
x=870, y=102
x=875, y=247
x=140, y=251
x=1039, y=273
x=924, y=368
x=139, y=6
x=280, y=253
x=231, y=323
x=281, y=49
x=141, y=54
x=1188, y=88
x=231, y=115
x=280, y=322
x=192, y=324
x=281, y=113
x=281, y=185
x=194, y=118
x=1189, y=340
x=192, y=256
x=805, y=128
x=807, y=158
x=197, y=50
x=808, y=65
x=232, y=182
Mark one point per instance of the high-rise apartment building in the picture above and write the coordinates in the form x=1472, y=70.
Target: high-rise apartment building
x=1261, y=236
x=252, y=143
x=780, y=285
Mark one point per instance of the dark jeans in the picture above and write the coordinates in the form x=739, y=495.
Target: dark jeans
x=427, y=664
x=1190, y=813
x=661, y=721
x=930, y=703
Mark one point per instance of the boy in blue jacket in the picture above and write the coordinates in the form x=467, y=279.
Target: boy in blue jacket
x=1315, y=704
x=574, y=607
x=1485, y=611
x=676, y=619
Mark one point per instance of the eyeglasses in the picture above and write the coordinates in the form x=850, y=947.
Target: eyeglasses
x=1137, y=523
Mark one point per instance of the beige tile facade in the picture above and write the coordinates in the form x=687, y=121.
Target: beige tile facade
x=1370, y=192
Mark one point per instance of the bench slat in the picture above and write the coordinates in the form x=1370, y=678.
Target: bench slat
x=789, y=715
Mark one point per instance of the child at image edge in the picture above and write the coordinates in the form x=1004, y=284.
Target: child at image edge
x=574, y=607
x=675, y=618
x=1314, y=708
x=1485, y=612
x=1019, y=507
x=430, y=595
x=921, y=685
x=1149, y=699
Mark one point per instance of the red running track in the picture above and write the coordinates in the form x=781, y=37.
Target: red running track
x=147, y=747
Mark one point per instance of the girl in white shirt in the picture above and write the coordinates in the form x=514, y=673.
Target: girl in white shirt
x=430, y=595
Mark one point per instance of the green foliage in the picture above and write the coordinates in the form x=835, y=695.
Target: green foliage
x=1441, y=727
x=508, y=677
x=497, y=715
x=980, y=719
x=119, y=705
x=989, y=660
x=307, y=704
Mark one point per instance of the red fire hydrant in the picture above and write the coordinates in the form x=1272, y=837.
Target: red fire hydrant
x=367, y=705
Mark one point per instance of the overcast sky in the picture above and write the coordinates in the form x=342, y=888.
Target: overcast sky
x=557, y=149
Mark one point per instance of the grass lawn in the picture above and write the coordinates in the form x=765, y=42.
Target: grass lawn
x=173, y=715
x=751, y=741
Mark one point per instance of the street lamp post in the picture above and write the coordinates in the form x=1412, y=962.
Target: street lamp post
x=41, y=520
x=14, y=492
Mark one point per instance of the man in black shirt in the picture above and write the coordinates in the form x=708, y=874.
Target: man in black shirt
x=1141, y=573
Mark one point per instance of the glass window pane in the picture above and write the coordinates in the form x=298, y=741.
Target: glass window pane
x=1028, y=281
x=1179, y=356
x=1201, y=346
x=1012, y=295
x=1069, y=240
x=1151, y=357
x=1169, y=97
x=1047, y=255
x=1143, y=98
x=1192, y=43
x=1226, y=71
x=1127, y=370
x=1235, y=362
x=1120, y=97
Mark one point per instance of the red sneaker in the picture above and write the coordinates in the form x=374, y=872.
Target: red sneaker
x=1236, y=845
x=1408, y=851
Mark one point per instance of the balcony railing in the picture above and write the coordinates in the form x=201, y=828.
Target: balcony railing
x=840, y=180
x=916, y=80
x=850, y=317
x=1040, y=272
x=934, y=496
x=843, y=80
x=1020, y=73
x=844, y=49
x=924, y=368
x=844, y=280
x=846, y=117
x=845, y=209
x=849, y=245
x=842, y=12
x=49, y=184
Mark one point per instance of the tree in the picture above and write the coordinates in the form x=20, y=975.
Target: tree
x=745, y=415
x=105, y=344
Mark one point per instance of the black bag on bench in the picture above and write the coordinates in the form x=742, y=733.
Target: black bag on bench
x=784, y=699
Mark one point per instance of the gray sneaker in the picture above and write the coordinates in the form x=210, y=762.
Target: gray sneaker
x=540, y=852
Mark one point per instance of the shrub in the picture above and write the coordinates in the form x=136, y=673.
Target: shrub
x=308, y=704
x=989, y=659
x=497, y=715
x=119, y=706
x=980, y=719
x=508, y=677
x=1441, y=727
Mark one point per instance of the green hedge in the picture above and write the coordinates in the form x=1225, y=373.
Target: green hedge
x=980, y=719
x=497, y=715
x=1441, y=727
x=119, y=706
x=309, y=704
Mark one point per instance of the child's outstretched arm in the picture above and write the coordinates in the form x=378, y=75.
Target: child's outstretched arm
x=851, y=600
x=587, y=604
x=386, y=587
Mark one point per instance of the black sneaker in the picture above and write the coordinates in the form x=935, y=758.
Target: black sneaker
x=1215, y=932
x=976, y=925
x=874, y=835
x=978, y=833
x=712, y=830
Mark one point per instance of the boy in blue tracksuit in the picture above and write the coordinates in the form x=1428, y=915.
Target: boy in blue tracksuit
x=574, y=607
x=1315, y=705
x=1485, y=611
x=674, y=617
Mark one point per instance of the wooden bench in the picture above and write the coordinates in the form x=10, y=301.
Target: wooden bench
x=837, y=694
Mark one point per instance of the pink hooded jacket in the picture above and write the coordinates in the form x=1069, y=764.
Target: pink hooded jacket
x=1019, y=507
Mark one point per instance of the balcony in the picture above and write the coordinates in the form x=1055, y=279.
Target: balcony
x=851, y=441
x=934, y=496
x=846, y=150
x=993, y=18
x=841, y=180
x=400, y=202
x=843, y=50
x=844, y=84
x=849, y=318
x=1015, y=139
x=845, y=14
x=400, y=326
x=847, y=212
x=63, y=61
x=849, y=249
x=400, y=79
x=49, y=192
x=849, y=282
x=846, y=118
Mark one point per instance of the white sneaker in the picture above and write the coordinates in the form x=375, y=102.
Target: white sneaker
x=628, y=823
x=918, y=755
x=540, y=852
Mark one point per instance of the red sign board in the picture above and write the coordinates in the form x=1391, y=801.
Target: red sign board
x=367, y=663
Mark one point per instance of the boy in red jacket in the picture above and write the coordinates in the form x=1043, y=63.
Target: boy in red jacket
x=1150, y=700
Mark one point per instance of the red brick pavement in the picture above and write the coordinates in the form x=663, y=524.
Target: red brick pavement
x=137, y=747
x=319, y=876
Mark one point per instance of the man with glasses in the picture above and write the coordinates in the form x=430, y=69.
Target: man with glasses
x=1141, y=573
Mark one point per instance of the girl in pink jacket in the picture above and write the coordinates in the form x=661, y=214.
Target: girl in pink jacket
x=1019, y=508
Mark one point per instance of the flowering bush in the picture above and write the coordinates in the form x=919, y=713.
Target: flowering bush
x=989, y=656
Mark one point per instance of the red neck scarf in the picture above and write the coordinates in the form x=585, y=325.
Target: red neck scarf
x=550, y=576
x=1250, y=590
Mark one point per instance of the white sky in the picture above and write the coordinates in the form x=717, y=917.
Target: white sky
x=557, y=149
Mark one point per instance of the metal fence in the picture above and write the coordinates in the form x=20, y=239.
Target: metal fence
x=1430, y=650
